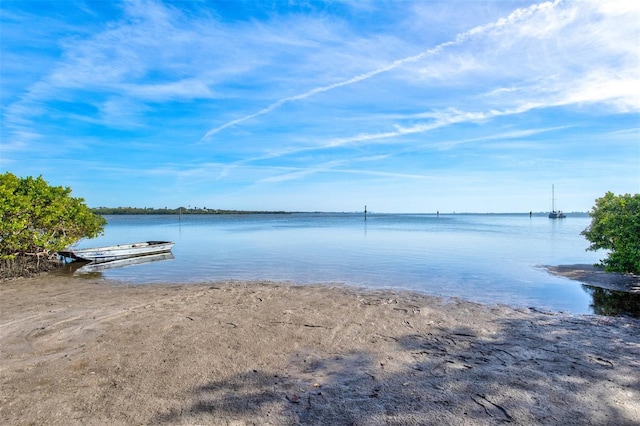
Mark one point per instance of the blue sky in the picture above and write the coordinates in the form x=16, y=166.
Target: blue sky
x=405, y=106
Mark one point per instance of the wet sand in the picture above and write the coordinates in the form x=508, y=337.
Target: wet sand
x=93, y=352
x=597, y=277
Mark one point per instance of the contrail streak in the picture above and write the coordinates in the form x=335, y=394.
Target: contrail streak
x=517, y=15
x=322, y=89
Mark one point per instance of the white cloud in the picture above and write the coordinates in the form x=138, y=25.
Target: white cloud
x=548, y=50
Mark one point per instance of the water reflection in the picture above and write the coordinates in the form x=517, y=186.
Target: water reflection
x=612, y=302
x=94, y=270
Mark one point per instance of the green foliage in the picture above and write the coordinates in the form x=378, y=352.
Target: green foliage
x=36, y=218
x=615, y=226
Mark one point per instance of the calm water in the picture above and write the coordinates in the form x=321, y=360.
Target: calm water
x=484, y=258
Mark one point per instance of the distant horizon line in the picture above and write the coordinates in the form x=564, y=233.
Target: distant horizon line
x=202, y=210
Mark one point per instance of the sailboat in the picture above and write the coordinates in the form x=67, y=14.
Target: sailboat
x=555, y=214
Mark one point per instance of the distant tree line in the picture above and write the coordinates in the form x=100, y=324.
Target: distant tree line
x=176, y=211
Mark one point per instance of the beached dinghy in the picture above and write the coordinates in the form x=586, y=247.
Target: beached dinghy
x=118, y=252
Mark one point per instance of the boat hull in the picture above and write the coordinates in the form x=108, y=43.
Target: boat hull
x=96, y=267
x=118, y=252
x=557, y=215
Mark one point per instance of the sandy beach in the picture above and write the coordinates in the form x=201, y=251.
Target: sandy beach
x=93, y=352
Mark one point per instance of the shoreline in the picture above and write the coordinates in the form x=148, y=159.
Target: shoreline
x=95, y=352
x=597, y=277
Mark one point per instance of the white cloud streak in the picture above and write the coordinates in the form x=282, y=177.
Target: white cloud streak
x=518, y=15
x=521, y=28
x=440, y=120
x=323, y=89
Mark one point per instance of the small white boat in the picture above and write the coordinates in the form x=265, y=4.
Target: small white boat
x=118, y=252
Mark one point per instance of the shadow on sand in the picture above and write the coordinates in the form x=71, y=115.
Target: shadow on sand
x=557, y=370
